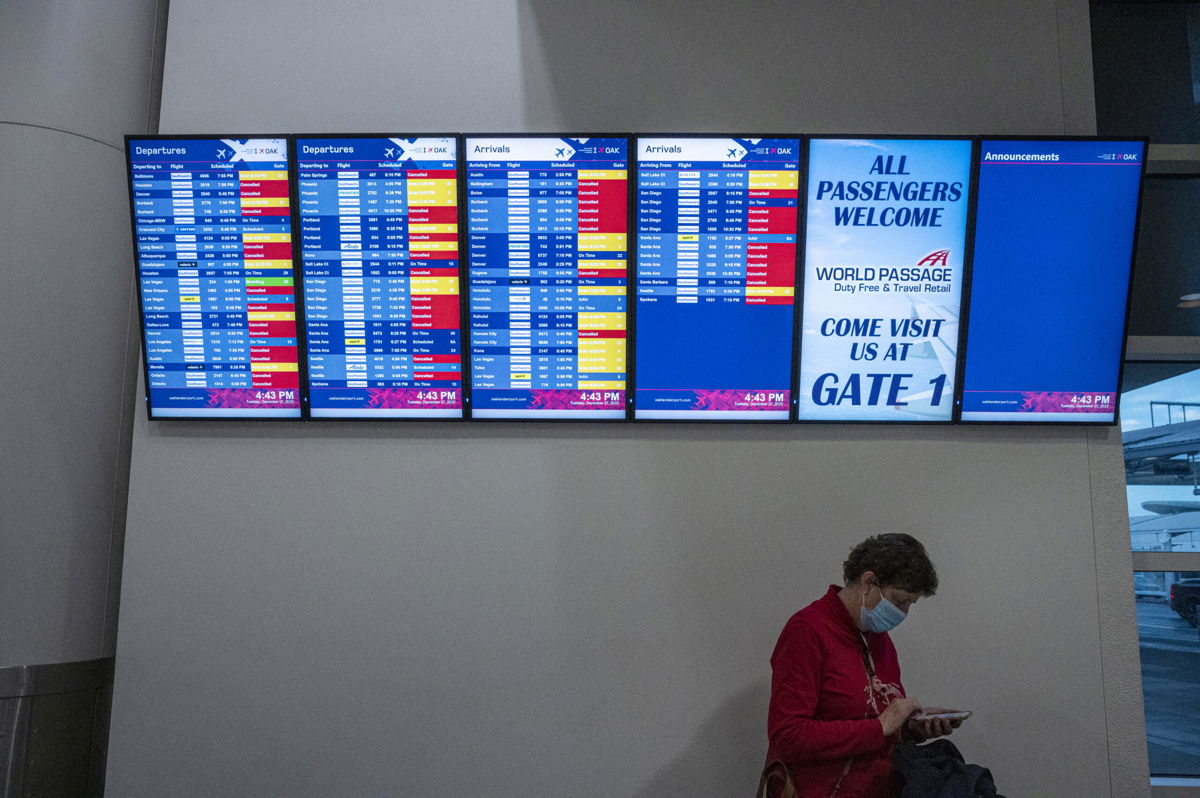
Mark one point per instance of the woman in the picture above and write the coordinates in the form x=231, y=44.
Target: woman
x=838, y=707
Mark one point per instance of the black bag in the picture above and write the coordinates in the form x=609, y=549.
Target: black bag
x=937, y=770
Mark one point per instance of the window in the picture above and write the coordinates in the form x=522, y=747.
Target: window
x=1146, y=62
x=1170, y=649
x=1160, y=423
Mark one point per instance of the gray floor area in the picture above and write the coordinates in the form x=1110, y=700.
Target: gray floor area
x=1171, y=686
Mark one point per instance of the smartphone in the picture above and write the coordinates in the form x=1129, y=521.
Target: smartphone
x=947, y=715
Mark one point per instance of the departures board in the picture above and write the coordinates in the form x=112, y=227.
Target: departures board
x=654, y=277
x=379, y=263
x=213, y=238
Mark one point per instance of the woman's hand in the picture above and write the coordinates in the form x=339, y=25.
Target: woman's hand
x=897, y=713
x=933, y=727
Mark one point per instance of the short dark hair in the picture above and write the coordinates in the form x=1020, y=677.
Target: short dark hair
x=899, y=560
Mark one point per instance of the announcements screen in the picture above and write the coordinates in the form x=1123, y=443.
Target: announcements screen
x=212, y=224
x=379, y=263
x=547, y=244
x=884, y=241
x=716, y=276
x=1050, y=279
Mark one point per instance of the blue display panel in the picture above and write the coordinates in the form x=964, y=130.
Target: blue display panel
x=379, y=263
x=1050, y=279
x=547, y=268
x=884, y=245
x=212, y=231
x=716, y=276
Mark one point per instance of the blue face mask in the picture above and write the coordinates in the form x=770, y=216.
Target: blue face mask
x=884, y=618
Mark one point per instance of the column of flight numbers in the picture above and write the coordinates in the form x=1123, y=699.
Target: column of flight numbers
x=212, y=290
x=712, y=233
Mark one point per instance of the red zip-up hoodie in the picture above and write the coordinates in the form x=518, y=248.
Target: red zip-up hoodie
x=823, y=718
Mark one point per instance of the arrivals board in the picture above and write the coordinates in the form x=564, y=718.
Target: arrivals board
x=884, y=250
x=379, y=264
x=547, y=271
x=716, y=276
x=1054, y=237
x=212, y=235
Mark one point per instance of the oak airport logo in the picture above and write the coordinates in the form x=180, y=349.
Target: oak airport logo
x=252, y=150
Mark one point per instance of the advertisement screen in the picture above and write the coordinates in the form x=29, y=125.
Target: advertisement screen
x=884, y=250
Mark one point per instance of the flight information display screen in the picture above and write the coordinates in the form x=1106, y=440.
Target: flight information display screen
x=379, y=264
x=213, y=239
x=1054, y=240
x=716, y=277
x=547, y=271
x=884, y=249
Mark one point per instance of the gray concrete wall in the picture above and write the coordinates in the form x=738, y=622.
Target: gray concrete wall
x=74, y=78
x=514, y=610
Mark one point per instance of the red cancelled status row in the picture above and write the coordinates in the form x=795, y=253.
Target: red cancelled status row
x=434, y=312
x=433, y=214
x=271, y=329
x=268, y=250
x=263, y=188
x=771, y=220
x=275, y=379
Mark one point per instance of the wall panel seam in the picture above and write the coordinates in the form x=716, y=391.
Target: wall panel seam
x=1099, y=619
x=117, y=147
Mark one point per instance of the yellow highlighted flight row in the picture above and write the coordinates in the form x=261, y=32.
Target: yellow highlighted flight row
x=601, y=290
x=602, y=174
x=591, y=385
x=588, y=320
x=433, y=285
x=265, y=202
x=780, y=180
x=615, y=242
